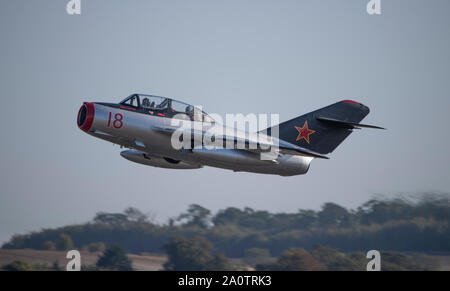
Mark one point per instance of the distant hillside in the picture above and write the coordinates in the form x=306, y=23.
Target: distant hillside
x=413, y=225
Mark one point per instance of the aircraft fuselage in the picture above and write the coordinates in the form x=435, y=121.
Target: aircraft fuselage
x=127, y=127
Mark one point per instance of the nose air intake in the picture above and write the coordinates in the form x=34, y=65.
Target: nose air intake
x=85, y=116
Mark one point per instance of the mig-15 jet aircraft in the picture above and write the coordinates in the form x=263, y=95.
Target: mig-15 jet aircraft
x=166, y=133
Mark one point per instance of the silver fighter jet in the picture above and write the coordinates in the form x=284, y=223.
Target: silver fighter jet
x=166, y=133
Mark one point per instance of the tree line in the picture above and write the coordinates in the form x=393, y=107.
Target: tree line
x=198, y=254
x=413, y=225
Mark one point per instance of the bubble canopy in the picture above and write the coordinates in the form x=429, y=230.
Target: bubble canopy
x=167, y=107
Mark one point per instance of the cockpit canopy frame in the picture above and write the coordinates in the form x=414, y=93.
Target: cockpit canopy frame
x=166, y=107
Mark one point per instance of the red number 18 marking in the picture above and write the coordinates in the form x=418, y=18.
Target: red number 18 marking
x=117, y=123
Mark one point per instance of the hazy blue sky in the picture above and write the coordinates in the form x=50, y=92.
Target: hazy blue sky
x=286, y=57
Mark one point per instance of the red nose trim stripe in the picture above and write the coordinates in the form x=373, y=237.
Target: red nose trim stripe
x=349, y=101
x=130, y=108
x=90, y=112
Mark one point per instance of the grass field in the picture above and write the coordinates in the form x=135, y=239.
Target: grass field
x=140, y=262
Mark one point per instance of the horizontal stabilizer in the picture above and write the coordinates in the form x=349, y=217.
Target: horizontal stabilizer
x=293, y=149
x=303, y=152
x=346, y=124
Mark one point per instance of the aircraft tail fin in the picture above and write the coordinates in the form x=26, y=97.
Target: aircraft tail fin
x=323, y=130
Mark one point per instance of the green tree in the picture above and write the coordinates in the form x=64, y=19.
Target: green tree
x=115, y=258
x=64, y=242
x=229, y=215
x=18, y=266
x=96, y=247
x=196, y=216
x=255, y=256
x=111, y=218
x=376, y=211
x=49, y=245
x=257, y=220
x=334, y=215
x=293, y=260
x=193, y=254
x=298, y=260
x=337, y=261
x=134, y=214
x=219, y=263
x=392, y=261
x=306, y=219
x=56, y=267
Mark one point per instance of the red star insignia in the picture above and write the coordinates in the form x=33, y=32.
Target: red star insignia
x=304, y=132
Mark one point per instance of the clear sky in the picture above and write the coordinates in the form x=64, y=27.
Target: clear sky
x=246, y=56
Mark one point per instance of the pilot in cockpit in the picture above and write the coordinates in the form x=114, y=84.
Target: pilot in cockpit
x=194, y=113
x=145, y=103
x=190, y=111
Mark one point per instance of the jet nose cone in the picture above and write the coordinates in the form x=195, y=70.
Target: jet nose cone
x=85, y=116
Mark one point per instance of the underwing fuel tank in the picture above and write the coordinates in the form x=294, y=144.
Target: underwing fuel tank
x=238, y=160
x=241, y=157
x=150, y=160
